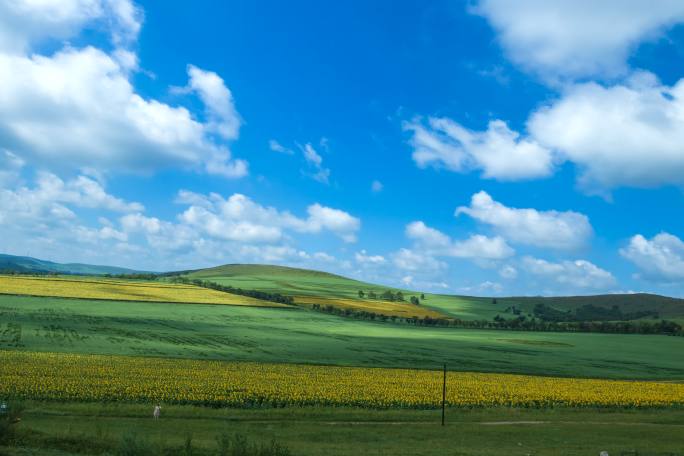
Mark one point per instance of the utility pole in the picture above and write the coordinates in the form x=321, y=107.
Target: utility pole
x=443, y=394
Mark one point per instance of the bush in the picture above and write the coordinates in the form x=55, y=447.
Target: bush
x=132, y=445
x=238, y=445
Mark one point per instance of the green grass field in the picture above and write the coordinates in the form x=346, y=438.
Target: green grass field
x=126, y=326
x=65, y=429
x=302, y=336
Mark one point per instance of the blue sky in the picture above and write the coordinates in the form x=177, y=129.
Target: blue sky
x=487, y=147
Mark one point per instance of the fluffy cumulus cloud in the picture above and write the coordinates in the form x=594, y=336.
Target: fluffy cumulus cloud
x=625, y=133
x=410, y=260
x=475, y=247
x=499, y=152
x=53, y=216
x=660, y=258
x=238, y=218
x=630, y=134
x=44, y=217
x=26, y=22
x=571, y=275
x=550, y=229
x=52, y=197
x=78, y=107
x=577, y=38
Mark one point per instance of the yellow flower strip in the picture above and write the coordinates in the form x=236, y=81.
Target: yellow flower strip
x=75, y=377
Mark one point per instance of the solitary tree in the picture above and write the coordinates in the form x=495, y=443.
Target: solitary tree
x=422, y=296
x=361, y=294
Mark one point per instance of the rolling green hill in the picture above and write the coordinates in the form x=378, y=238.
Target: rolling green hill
x=303, y=282
x=281, y=279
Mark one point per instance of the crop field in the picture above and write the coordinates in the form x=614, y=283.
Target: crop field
x=241, y=333
x=121, y=290
x=399, y=309
x=70, y=377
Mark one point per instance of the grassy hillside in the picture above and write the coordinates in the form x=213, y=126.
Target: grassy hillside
x=314, y=287
x=280, y=279
x=33, y=265
x=241, y=333
x=119, y=290
x=322, y=287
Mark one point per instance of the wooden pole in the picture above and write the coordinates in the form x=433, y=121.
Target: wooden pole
x=443, y=394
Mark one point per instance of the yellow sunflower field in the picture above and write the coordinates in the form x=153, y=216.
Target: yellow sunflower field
x=76, y=377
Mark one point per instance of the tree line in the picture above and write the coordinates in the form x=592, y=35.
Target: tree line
x=521, y=323
x=589, y=312
x=257, y=294
x=389, y=295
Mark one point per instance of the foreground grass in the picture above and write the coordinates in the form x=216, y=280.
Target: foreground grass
x=121, y=290
x=348, y=431
x=241, y=333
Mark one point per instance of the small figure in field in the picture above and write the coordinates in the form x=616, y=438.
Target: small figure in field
x=157, y=412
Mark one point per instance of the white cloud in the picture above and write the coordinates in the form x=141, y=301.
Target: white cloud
x=660, y=259
x=339, y=222
x=10, y=168
x=364, y=258
x=552, y=229
x=52, y=196
x=409, y=260
x=572, y=274
x=78, y=108
x=224, y=119
x=427, y=236
x=275, y=146
x=481, y=247
x=315, y=161
x=376, y=186
x=322, y=256
x=577, y=38
x=475, y=247
x=27, y=22
x=630, y=134
x=499, y=151
x=508, y=272
x=239, y=218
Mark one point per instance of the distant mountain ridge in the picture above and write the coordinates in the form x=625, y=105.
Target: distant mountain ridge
x=24, y=264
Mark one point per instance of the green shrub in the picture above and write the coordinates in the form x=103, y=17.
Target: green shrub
x=132, y=445
x=238, y=445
